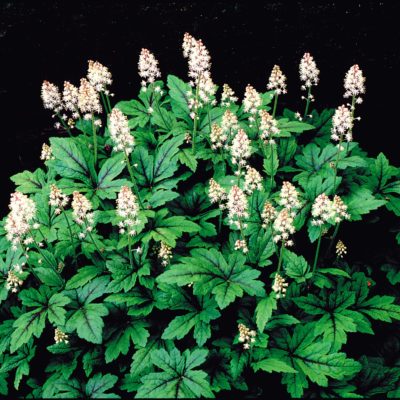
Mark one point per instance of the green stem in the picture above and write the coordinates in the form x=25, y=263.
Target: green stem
x=209, y=118
x=195, y=118
x=336, y=162
x=308, y=102
x=130, y=250
x=239, y=173
x=317, y=250
x=65, y=126
x=109, y=103
x=103, y=100
x=280, y=257
x=220, y=221
x=40, y=250
x=272, y=237
x=335, y=232
x=94, y=243
x=272, y=166
x=275, y=104
x=68, y=224
x=128, y=165
x=94, y=141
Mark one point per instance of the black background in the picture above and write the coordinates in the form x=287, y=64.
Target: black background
x=53, y=40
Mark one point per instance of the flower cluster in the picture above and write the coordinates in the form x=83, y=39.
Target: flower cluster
x=251, y=101
x=341, y=125
x=57, y=199
x=268, y=127
x=51, y=97
x=354, y=83
x=165, y=254
x=322, y=210
x=228, y=96
x=218, y=137
x=277, y=81
x=88, y=99
x=325, y=211
x=241, y=245
x=240, y=149
x=217, y=193
x=60, y=336
x=229, y=122
x=99, y=76
x=246, y=336
x=13, y=283
x=289, y=197
x=268, y=214
x=309, y=73
x=283, y=227
x=207, y=89
x=148, y=67
x=128, y=209
x=339, y=209
x=199, y=59
x=237, y=206
x=341, y=249
x=46, y=153
x=71, y=98
x=279, y=286
x=18, y=222
x=81, y=208
x=252, y=180
x=120, y=133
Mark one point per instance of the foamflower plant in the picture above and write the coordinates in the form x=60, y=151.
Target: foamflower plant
x=175, y=244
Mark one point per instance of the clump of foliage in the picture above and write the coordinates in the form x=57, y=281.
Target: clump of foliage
x=155, y=254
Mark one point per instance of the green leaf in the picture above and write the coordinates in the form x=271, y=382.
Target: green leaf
x=335, y=320
x=179, y=379
x=135, y=109
x=296, y=267
x=264, y=311
x=83, y=276
x=30, y=182
x=199, y=317
x=106, y=185
x=169, y=229
x=286, y=126
x=88, y=322
x=70, y=161
x=187, y=157
x=381, y=172
x=271, y=162
x=164, y=165
x=55, y=311
x=121, y=340
x=98, y=385
x=160, y=197
x=312, y=358
x=361, y=201
x=380, y=308
x=210, y=272
x=178, y=91
x=28, y=324
x=273, y=365
x=352, y=162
